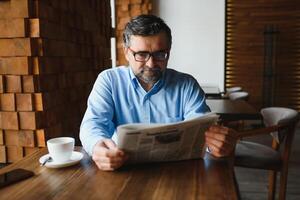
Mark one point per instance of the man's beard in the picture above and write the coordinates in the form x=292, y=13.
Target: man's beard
x=149, y=75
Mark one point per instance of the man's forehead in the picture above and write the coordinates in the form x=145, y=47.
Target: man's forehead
x=159, y=40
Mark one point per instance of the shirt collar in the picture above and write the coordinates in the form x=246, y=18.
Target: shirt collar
x=134, y=80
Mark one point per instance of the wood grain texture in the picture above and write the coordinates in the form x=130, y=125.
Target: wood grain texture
x=24, y=102
x=1, y=137
x=20, y=47
x=15, y=65
x=14, y=153
x=16, y=9
x=50, y=55
x=194, y=179
x=10, y=28
x=7, y=102
x=31, y=120
x=2, y=83
x=262, y=45
x=13, y=84
x=11, y=138
x=3, y=154
x=9, y=120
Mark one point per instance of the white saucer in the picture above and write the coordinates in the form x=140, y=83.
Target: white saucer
x=75, y=158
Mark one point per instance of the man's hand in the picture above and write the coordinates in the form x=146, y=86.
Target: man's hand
x=107, y=156
x=220, y=140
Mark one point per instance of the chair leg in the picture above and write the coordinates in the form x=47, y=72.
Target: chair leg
x=272, y=185
x=237, y=186
x=283, y=183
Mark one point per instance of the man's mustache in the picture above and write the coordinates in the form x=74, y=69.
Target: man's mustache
x=154, y=69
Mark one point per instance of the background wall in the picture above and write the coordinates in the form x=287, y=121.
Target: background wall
x=125, y=10
x=50, y=55
x=262, y=51
x=198, y=37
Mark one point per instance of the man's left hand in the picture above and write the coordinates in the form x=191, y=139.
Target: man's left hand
x=220, y=140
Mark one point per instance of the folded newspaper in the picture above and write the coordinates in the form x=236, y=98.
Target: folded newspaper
x=165, y=142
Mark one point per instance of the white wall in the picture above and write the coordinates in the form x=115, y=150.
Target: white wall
x=113, y=49
x=198, y=37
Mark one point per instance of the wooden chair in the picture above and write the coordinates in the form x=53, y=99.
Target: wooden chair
x=280, y=124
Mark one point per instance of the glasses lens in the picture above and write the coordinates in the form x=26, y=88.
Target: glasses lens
x=141, y=56
x=160, y=55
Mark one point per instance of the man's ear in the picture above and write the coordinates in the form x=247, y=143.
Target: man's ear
x=126, y=52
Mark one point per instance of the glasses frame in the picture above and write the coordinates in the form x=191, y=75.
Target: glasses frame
x=150, y=54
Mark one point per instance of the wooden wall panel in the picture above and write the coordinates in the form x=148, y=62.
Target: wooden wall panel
x=262, y=50
x=50, y=55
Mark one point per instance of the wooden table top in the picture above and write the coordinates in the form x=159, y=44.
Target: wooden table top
x=233, y=109
x=192, y=179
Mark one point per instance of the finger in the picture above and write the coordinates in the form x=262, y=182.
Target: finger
x=223, y=129
x=109, y=166
x=111, y=159
x=103, y=167
x=218, y=152
x=107, y=155
x=215, y=143
x=218, y=128
x=98, y=153
x=104, y=145
x=110, y=144
x=219, y=148
x=220, y=137
x=220, y=140
x=111, y=153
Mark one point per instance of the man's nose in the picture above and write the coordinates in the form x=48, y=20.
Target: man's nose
x=150, y=62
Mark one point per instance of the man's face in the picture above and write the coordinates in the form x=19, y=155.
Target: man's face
x=148, y=71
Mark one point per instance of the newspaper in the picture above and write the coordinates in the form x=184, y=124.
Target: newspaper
x=165, y=142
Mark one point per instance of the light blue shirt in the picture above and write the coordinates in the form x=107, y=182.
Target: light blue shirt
x=118, y=98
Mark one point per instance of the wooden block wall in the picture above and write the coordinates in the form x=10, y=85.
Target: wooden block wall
x=125, y=10
x=51, y=52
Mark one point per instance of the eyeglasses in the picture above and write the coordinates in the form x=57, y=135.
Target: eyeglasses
x=144, y=56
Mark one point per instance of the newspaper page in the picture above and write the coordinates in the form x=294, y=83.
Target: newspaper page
x=165, y=142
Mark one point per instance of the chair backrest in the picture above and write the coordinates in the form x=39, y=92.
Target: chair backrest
x=239, y=96
x=279, y=116
x=253, y=155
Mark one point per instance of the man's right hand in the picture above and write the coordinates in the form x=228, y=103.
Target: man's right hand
x=107, y=156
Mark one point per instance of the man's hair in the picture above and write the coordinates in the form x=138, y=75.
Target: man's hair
x=146, y=25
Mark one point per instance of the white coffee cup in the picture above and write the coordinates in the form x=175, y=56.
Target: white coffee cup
x=61, y=148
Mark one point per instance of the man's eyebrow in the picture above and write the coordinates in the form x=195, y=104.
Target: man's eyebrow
x=162, y=50
x=142, y=52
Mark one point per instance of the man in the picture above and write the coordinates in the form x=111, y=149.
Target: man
x=144, y=92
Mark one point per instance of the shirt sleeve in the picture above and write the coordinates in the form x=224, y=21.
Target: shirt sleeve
x=97, y=121
x=195, y=104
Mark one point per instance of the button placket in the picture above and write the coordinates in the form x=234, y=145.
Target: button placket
x=146, y=110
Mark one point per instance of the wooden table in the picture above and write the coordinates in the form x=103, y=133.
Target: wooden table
x=231, y=110
x=193, y=179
